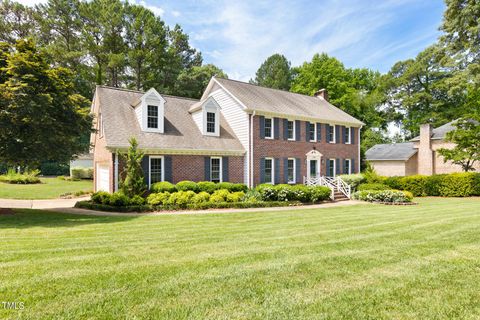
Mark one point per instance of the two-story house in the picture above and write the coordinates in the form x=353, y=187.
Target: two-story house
x=237, y=132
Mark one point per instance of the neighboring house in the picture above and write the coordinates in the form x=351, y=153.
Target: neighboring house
x=237, y=132
x=419, y=156
x=82, y=161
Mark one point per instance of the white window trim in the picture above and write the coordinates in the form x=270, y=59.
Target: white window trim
x=211, y=109
x=152, y=98
x=273, y=171
x=294, y=170
x=272, y=132
x=100, y=125
x=334, y=166
x=349, y=165
x=334, y=135
x=315, y=131
x=158, y=117
x=294, y=130
x=221, y=168
x=150, y=169
x=349, y=135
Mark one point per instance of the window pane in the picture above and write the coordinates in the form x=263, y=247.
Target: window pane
x=211, y=122
x=347, y=135
x=155, y=170
x=152, y=117
x=312, y=131
x=332, y=133
x=290, y=170
x=290, y=129
x=268, y=170
x=268, y=128
x=332, y=168
x=215, y=169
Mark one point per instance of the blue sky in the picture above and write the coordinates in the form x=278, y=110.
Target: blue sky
x=239, y=35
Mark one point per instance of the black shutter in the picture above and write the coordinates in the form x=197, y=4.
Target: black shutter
x=352, y=133
x=352, y=165
x=344, y=166
x=145, y=167
x=285, y=170
x=337, y=165
x=297, y=130
x=276, y=128
x=327, y=167
x=344, y=131
x=277, y=171
x=298, y=170
x=225, y=169
x=262, y=127
x=262, y=170
x=207, y=168
x=319, y=132
x=307, y=130
x=168, y=168
x=337, y=134
x=285, y=129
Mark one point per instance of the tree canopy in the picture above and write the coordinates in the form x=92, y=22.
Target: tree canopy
x=274, y=72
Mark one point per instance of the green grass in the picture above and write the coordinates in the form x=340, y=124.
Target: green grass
x=50, y=188
x=355, y=262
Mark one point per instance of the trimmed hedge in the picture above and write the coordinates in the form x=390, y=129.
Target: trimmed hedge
x=183, y=199
x=391, y=196
x=354, y=180
x=298, y=192
x=163, y=186
x=464, y=184
x=206, y=186
x=373, y=186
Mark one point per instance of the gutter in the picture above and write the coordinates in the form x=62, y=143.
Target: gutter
x=250, y=167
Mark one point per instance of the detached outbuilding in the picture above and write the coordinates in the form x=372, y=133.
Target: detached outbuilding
x=397, y=159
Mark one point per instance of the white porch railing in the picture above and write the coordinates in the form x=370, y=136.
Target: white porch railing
x=334, y=183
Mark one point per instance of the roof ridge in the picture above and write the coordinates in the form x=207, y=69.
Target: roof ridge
x=138, y=91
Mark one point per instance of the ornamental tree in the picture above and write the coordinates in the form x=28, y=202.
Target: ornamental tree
x=134, y=183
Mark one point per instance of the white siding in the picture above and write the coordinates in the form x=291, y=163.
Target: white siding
x=138, y=112
x=198, y=118
x=237, y=119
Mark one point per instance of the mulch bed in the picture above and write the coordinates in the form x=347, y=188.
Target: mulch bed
x=6, y=211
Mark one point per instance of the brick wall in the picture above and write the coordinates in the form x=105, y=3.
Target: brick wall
x=280, y=148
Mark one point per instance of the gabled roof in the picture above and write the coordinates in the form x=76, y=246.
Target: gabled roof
x=274, y=101
x=440, y=132
x=181, y=133
x=394, y=151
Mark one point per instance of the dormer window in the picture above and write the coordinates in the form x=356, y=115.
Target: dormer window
x=211, y=118
x=211, y=122
x=152, y=117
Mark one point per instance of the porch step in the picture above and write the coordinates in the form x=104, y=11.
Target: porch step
x=339, y=196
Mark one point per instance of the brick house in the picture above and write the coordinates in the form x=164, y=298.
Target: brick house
x=236, y=132
x=418, y=156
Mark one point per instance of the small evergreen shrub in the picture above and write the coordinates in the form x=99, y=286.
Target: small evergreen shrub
x=187, y=186
x=163, y=186
x=460, y=185
x=319, y=194
x=136, y=201
x=232, y=187
x=134, y=182
x=373, y=186
x=299, y=192
x=353, y=179
x=181, y=198
x=118, y=199
x=235, y=196
x=207, y=186
x=201, y=197
x=433, y=184
x=394, y=182
x=156, y=199
x=219, y=196
x=415, y=184
x=252, y=195
x=100, y=197
x=392, y=196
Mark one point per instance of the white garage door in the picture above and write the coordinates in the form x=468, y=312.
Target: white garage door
x=103, y=178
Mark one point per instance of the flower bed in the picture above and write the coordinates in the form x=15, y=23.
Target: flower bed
x=384, y=196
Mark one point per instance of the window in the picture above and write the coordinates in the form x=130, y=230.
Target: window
x=312, y=131
x=211, y=124
x=152, y=117
x=268, y=128
x=156, y=169
x=348, y=166
x=291, y=170
x=347, y=135
x=215, y=169
x=268, y=173
x=331, y=167
x=331, y=134
x=291, y=130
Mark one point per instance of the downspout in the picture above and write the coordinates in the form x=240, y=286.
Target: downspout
x=116, y=172
x=251, y=150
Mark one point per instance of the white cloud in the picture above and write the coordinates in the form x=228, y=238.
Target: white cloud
x=155, y=9
x=176, y=13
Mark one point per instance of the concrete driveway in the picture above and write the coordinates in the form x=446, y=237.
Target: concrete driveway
x=40, y=204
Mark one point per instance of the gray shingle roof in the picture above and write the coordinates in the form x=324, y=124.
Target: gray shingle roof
x=180, y=132
x=440, y=132
x=394, y=151
x=286, y=103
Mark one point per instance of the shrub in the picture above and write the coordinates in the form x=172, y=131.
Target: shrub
x=207, y=186
x=353, y=179
x=373, y=186
x=105, y=207
x=187, y=186
x=219, y=195
x=201, y=197
x=136, y=201
x=181, y=198
x=163, y=186
x=460, y=185
x=28, y=177
x=52, y=168
x=232, y=187
x=251, y=196
x=393, y=196
x=100, y=197
x=82, y=173
x=319, y=193
x=371, y=176
x=235, y=196
x=415, y=184
x=161, y=198
x=134, y=182
x=394, y=182
x=301, y=193
x=268, y=192
x=433, y=184
x=118, y=199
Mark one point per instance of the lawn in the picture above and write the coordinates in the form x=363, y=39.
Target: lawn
x=354, y=262
x=49, y=188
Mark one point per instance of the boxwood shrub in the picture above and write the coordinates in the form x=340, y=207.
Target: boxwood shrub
x=163, y=186
x=391, y=196
x=187, y=185
x=207, y=186
x=460, y=185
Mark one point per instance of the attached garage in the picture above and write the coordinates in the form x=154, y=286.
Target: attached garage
x=103, y=178
x=397, y=159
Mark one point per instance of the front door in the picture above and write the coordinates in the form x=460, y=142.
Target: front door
x=313, y=169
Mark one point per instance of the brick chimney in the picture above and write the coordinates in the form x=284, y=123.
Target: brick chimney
x=322, y=93
x=425, y=153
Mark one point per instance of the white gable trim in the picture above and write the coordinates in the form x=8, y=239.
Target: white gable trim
x=229, y=93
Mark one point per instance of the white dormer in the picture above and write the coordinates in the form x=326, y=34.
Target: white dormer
x=207, y=117
x=150, y=110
